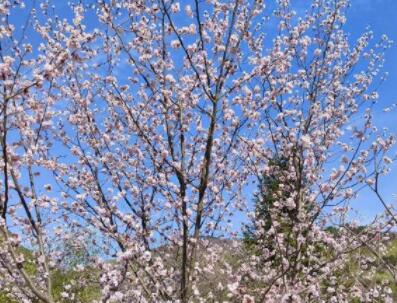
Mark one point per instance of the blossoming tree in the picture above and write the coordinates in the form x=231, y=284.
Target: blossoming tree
x=138, y=128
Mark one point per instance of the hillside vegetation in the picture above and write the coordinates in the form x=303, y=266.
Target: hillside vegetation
x=87, y=294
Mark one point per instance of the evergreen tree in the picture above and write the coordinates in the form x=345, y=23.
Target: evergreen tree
x=268, y=192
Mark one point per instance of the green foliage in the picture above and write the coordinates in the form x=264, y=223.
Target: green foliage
x=82, y=284
x=5, y=299
x=265, y=198
x=29, y=266
x=87, y=290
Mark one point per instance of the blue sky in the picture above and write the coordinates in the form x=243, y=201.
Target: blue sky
x=380, y=15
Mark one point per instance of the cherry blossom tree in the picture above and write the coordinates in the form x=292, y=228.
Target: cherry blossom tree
x=139, y=127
